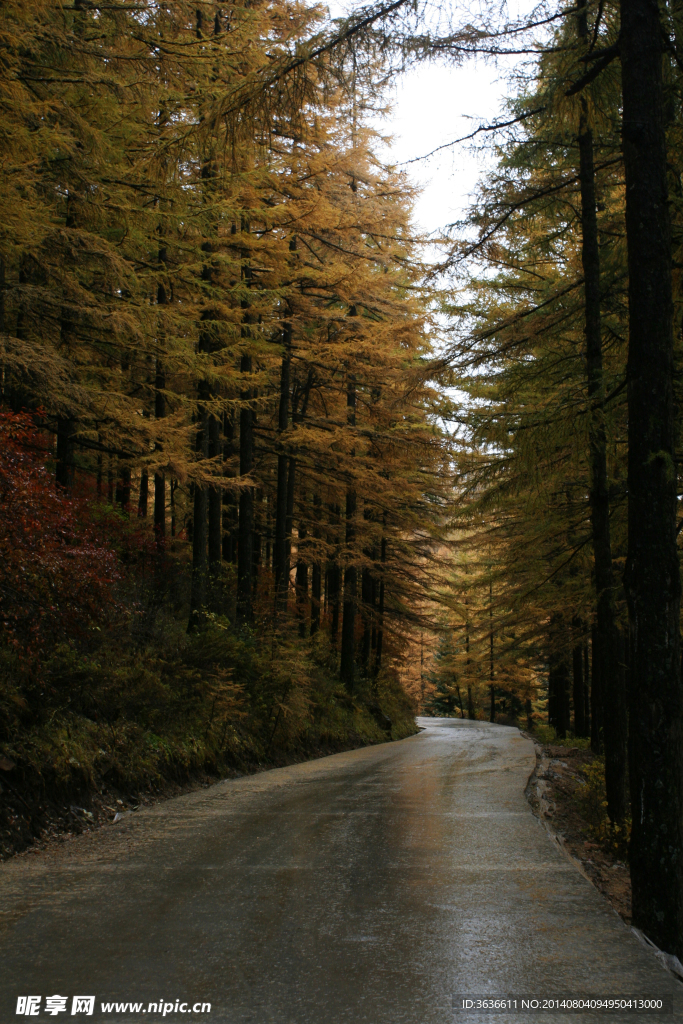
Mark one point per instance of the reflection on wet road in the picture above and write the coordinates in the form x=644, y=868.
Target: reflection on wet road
x=369, y=886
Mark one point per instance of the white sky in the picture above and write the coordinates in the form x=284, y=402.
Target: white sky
x=435, y=104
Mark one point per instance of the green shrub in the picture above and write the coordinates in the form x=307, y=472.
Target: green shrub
x=592, y=801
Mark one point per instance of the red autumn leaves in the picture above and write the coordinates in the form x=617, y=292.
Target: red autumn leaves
x=57, y=574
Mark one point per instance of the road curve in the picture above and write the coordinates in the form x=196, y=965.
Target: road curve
x=366, y=887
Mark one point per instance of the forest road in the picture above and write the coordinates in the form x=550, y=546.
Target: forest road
x=371, y=886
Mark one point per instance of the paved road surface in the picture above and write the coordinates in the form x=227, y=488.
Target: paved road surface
x=367, y=887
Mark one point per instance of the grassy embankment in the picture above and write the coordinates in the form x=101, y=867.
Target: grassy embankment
x=106, y=700
x=122, y=723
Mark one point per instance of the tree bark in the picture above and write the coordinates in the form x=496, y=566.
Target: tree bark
x=559, y=681
x=246, y=506
x=123, y=485
x=301, y=583
x=159, y=477
x=2, y=298
x=2, y=322
x=64, y=474
x=577, y=688
x=215, y=538
x=333, y=589
x=492, y=712
x=348, y=659
x=280, y=559
x=380, y=606
x=367, y=597
x=596, y=696
x=470, y=703
x=143, y=496
x=652, y=577
x=316, y=572
x=586, y=692
x=614, y=699
x=198, y=593
x=215, y=503
x=230, y=516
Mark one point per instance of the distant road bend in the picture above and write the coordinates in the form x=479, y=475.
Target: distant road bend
x=367, y=887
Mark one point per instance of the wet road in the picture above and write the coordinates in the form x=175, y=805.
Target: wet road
x=370, y=887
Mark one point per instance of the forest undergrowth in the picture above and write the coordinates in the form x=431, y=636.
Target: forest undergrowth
x=568, y=794
x=106, y=699
x=126, y=721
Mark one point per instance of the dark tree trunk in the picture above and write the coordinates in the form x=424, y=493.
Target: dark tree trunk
x=268, y=560
x=230, y=517
x=347, y=662
x=333, y=588
x=380, y=606
x=2, y=323
x=280, y=559
x=199, y=562
x=596, y=697
x=348, y=653
x=246, y=510
x=613, y=698
x=172, y=487
x=2, y=295
x=301, y=583
x=577, y=688
x=256, y=546
x=316, y=590
x=333, y=574
x=367, y=590
x=215, y=531
x=652, y=577
x=316, y=572
x=144, y=494
x=123, y=485
x=470, y=704
x=215, y=503
x=558, y=685
x=159, y=478
x=552, y=694
x=289, y=518
x=492, y=688
x=586, y=692
x=198, y=594
x=20, y=330
x=375, y=595
x=64, y=474
x=160, y=411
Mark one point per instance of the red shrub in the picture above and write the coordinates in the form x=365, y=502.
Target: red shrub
x=56, y=571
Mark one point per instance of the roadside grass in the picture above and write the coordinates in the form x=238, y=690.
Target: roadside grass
x=546, y=735
x=118, y=723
